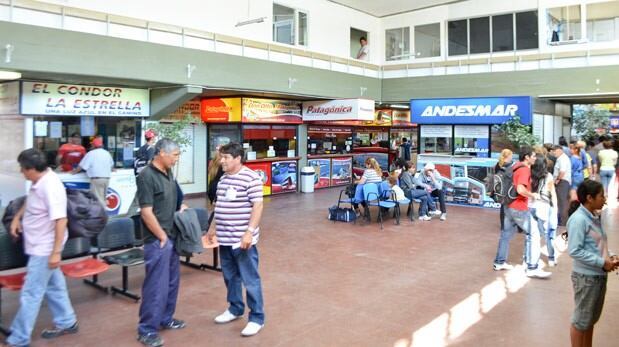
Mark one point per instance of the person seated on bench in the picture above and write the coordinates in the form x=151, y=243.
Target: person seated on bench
x=407, y=182
x=431, y=180
x=372, y=174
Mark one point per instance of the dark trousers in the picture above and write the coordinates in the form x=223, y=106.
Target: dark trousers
x=563, y=199
x=160, y=288
x=441, y=198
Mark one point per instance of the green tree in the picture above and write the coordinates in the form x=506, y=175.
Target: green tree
x=517, y=133
x=174, y=131
x=590, y=122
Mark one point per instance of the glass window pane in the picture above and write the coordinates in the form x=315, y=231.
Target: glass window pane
x=397, y=44
x=502, y=33
x=428, y=40
x=603, y=21
x=222, y=134
x=435, y=139
x=480, y=35
x=302, y=29
x=526, y=30
x=564, y=23
x=457, y=35
x=283, y=24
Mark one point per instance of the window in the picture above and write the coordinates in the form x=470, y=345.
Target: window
x=289, y=25
x=355, y=44
x=457, y=33
x=603, y=21
x=428, y=40
x=564, y=23
x=220, y=135
x=435, y=138
x=526, y=30
x=262, y=137
x=397, y=44
x=479, y=35
x=329, y=140
x=503, y=33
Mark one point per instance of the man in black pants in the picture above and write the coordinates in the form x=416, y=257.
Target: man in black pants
x=562, y=175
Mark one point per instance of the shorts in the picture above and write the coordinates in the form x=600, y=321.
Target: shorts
x=589, y=293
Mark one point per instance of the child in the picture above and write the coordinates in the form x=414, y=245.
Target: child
x=588, y=247
x=393, y=183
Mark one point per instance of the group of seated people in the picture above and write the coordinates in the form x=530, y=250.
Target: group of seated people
x=406, y=183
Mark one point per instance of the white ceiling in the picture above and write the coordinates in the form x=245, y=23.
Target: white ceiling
x=390, y=7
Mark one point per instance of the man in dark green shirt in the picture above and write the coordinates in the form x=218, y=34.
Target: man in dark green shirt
x=157, y=195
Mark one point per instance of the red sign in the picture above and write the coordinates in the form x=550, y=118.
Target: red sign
x=221, y=110
x=264, y=171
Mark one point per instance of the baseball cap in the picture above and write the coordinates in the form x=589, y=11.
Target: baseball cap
x=429, y=166
x=149, y=134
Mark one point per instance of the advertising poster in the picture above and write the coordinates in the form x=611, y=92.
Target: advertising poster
x=284, y=176
x=358, y=161
x=264, y=171
x=223, y=110
x=339, y=110
x=401, y=118
x=323, y=172
x=271, y=111
x=341, y=168
x=472, y=140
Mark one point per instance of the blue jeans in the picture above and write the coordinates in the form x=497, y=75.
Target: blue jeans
x=548, y=228
x=240, y=267
x=518, y=219
x=160, y=288
x=606, y=176
x=41, y=281
x=427, y=203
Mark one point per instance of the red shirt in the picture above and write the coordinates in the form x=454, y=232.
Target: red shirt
x=71, y=155
x=522, y=176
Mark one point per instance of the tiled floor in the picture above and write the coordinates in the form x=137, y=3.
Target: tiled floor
x=336, y=284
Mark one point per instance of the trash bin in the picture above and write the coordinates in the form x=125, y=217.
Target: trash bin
x=307, y=179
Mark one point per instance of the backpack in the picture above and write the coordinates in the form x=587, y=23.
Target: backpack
x=503, y=190
x=141, y=159
x=341, y=214
x=86, y=215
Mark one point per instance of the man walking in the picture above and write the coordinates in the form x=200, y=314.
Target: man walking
x=44, y=229
x=157, y=196
x=517, y=215
x=237, y=216
x=98, y=164
x=562, y=175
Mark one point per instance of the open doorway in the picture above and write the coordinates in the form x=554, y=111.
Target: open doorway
x=355, y=45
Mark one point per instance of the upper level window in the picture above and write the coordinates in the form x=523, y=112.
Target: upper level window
x=289, y=25
x=397, y=43
x=564, y=24
x=603, y=21
x=503, y=33
x=457, y=33
x=526, y=30
x=428, y=40
x=479, y=31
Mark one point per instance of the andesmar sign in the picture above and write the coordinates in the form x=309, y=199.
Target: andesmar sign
x=491, y=110
x=342, y=109
x=52, y=99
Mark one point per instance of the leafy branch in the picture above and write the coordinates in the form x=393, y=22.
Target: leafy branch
x=517, y=133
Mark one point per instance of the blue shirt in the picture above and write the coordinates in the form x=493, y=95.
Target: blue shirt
x=97, y=163
x=587, y=242
x=577, y=167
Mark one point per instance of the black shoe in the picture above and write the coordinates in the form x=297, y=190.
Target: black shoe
x=55, y=332
x=174, y=324
x=151, y=340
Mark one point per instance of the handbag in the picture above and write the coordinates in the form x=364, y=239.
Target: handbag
x=341, y=214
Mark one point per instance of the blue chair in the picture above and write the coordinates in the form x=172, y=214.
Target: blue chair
x=372, y=198
x=387, y=194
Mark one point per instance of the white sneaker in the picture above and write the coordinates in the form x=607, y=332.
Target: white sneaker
x=435, y=213
x=251, y=329
x=425, y=218
x=552, y=263
x=538, y=273
x=444, y=216
x=504, y=266
x=225, y=317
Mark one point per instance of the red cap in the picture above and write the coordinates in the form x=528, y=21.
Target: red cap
x=149, y=134
x=97, y=142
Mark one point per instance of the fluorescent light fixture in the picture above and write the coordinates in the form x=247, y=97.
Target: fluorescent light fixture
x=9, y=75
x=402, y=107
x=251, y=21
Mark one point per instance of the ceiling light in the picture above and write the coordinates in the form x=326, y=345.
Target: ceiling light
x=9, y=75
x=403, y=107
x=251, y=21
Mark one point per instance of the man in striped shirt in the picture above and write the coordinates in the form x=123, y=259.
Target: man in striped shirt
x=237, y=215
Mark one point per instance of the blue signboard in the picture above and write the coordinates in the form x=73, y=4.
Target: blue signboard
x=491, y=110
x=614, y=122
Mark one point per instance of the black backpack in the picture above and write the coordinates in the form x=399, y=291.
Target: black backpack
x=503, y=190
x=141, y=159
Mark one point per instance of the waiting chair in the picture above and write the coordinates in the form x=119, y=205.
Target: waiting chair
x=119, y=234
x=83, y=268
x=372, y=198
x=11, y=257
x=387, y=194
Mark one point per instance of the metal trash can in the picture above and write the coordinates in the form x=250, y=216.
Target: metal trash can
x=307, y=179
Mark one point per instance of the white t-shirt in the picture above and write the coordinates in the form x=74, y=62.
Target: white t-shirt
x=365, y=51
x=563, y=164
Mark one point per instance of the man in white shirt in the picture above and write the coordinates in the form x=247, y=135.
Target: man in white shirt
x=364, y=51
x=563, y=180
x=98, y=164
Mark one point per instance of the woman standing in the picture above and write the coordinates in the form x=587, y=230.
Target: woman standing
x=588, y=248
x=214, y=174
x=544, y=210
x=608, y=159
x=505, y=160
x=577, y=170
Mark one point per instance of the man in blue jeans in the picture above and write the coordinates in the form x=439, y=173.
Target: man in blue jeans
x=158, y=198
x=44, y=227
x=237, y=215
x=517, y=215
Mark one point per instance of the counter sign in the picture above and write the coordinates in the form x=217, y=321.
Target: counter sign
x=492, y=110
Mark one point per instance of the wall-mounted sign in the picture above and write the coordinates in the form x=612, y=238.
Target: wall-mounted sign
x=614, y=122
x=9, y=98
x=341, y=109
x=271, y=111
x=492, y=110
x=401, y=118
x=436, y=131
x=189, y=108
x=222, y=110
x=52, y=99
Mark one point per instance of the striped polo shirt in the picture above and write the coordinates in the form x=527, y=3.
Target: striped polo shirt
x=236, y=195
x=371, y=176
